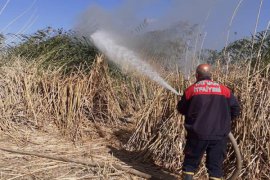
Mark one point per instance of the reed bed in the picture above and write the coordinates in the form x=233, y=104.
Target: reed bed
x=159, y=133
x=34, y=98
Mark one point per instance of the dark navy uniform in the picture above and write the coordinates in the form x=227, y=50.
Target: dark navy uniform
x=208, y=108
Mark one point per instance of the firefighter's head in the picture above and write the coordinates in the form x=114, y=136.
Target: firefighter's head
x=203, y=71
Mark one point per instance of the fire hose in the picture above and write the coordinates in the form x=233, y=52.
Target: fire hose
x=238, y=158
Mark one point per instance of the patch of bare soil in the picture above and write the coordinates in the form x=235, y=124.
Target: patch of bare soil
x=47, y=155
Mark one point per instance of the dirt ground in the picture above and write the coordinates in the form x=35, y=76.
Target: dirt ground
x=103, y=149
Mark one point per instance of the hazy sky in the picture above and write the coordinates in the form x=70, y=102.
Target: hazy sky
x=27, y=16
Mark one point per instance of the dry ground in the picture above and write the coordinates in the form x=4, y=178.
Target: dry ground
x=102, y=146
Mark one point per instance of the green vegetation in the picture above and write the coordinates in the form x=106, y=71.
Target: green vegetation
x=254, y=49
x=56, y=48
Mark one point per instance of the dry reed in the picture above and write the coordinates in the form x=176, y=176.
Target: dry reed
x=35, y=99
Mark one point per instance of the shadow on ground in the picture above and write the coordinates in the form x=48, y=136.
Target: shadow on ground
x=134, y=159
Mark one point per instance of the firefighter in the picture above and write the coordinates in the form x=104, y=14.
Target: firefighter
x=208, y=108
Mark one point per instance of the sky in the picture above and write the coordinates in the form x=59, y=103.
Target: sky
x=213, y=16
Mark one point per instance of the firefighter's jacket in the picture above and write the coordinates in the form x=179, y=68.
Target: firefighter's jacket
x=208, y=108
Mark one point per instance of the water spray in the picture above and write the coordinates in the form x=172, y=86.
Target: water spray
x=123, y=56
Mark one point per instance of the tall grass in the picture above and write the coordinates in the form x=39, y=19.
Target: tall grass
x=35, y=98
x=159, y=132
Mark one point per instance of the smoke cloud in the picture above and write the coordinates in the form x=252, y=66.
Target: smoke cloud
x=172, y=32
